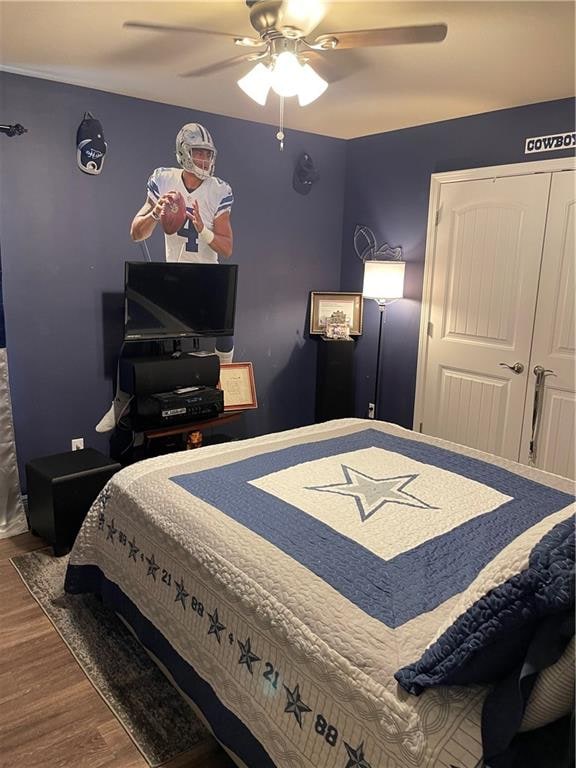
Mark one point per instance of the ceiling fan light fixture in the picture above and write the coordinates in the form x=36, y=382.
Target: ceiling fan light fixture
x=311, y=85
x=286, y=74
x=297, y=18
x=256, y=83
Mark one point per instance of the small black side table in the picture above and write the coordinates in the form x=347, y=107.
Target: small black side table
x=61, y=489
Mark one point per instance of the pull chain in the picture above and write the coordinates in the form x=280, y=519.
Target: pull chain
x=280, y=134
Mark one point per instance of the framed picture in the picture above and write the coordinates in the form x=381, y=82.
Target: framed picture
x=335, y=309
x=237, y=383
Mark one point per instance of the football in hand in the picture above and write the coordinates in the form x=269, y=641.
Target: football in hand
x=173, y=217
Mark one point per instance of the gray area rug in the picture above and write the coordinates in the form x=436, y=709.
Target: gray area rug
x=158, y=720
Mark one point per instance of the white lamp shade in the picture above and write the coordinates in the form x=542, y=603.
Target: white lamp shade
x=383, y=280
x=311, y=85
x=287, y=77
x=256, y=83
x=286, y=74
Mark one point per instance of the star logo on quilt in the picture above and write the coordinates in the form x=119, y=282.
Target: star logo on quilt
x=133, y=549
x=153, y=567
x=356, y=757
x=112, y=530
x=371, y=493
x=215, y=626
x=246, y=656
x=181, y=593
x=295, y=704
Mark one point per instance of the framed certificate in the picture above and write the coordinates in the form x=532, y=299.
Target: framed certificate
x=335, y=309
x=237, y=383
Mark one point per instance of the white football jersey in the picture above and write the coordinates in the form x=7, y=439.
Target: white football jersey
x=214, y=198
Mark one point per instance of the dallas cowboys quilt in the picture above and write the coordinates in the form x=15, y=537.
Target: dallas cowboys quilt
x=285, y=580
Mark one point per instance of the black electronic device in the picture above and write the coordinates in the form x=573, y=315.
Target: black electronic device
x=61, y=488
x=147, y=375
x=167, y=300
x=335, y=379
x=166, y=408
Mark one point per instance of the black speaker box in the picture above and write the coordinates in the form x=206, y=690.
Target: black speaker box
x=149, y=375
x=61, y=489
x=335, y=379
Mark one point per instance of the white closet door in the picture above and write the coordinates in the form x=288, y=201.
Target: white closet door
x=554, y=342
x=483, y=298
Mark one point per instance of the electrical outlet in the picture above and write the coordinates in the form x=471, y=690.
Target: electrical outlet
x=371, y=411
x=77, y=443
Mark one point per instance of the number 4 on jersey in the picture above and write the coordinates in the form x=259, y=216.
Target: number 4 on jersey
x=189, y=232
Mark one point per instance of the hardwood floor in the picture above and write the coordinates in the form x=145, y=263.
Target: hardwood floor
x=51, y=715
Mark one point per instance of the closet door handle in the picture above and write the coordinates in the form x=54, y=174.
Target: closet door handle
x=517, y=367
x=540, y=372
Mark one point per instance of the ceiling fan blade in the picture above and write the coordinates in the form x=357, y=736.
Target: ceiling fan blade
x=335, y=68
x=220, y=65
x=193, y=30
x=364, y=38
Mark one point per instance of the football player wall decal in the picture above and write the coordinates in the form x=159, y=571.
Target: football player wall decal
x=203, y=236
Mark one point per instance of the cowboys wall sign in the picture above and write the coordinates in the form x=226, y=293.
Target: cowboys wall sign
x=549, y=143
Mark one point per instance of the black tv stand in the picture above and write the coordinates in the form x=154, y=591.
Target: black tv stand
x=126, y=448
x=177, y=347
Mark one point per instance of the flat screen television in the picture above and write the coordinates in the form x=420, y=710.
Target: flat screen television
x=171, y=301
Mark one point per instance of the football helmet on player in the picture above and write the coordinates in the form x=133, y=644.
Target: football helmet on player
x=190, y=137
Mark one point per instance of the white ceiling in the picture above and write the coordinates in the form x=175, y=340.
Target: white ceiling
x=496, y=55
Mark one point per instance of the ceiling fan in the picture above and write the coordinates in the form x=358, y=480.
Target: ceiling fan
x=283, y=50
x=284, y=25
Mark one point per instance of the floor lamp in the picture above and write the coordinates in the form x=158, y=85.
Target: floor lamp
x=383, y=282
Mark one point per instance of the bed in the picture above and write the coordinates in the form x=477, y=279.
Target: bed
x=337, y=596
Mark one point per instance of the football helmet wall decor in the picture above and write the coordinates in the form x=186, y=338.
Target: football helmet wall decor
x=305, y=174
x=90, y=145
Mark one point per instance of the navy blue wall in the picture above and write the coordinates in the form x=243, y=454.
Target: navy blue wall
x=65, y=238
x=387, y=189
